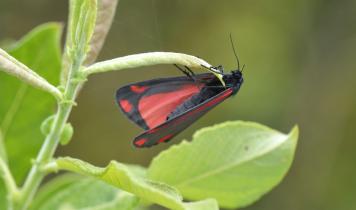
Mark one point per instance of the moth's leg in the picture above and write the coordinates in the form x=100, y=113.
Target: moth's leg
x=182, y=70
x=187, y=72
x=220, y=68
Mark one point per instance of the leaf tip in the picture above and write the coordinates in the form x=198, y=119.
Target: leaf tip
x=294, y=133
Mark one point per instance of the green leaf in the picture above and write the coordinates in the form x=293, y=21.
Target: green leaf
x=75, y=192
x=67, y=134
x=233, y=162
x=81, y=24
x=82, y=20
x=23, y=108
x=3, y=200
x=105, y=16
x=132, y=180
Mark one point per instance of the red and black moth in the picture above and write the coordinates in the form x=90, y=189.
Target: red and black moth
x=164, y=107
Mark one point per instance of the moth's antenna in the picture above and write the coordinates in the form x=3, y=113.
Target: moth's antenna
x=233, y=48
x=243, y=68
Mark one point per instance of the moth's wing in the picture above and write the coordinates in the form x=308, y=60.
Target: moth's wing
x=172, y=127
x=148, y=103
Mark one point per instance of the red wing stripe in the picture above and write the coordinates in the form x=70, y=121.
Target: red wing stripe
x=138, y=89
x=140, y=142
x=125, y=105
x=155, y=108
x=165, y=138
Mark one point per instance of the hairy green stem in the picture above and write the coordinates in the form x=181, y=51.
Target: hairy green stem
x=150, y=59
x=9, y=182
x=146, y=59
x=3, y=154
x=7, y=177
x=13, y=67
x=46, y=153
x=36, y=174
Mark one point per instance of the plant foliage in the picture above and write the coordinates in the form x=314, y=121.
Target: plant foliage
x=229, y=165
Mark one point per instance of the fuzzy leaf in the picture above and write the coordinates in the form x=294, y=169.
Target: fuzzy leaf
x=234, y=162
x=128, y=179
x=105, y=15
x=22, y=109
x=81, y=24
x=75, y=192
x=3, y=201
x=82, y=21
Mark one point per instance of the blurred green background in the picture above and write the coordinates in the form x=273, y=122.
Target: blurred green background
x=300, y=69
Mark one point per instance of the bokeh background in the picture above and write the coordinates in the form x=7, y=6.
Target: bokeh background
x=300, y=58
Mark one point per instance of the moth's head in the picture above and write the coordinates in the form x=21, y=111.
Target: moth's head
x=237, y=77
x=234, y=80
x=236, y=74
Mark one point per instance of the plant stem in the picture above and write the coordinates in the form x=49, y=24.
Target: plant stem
x=3, y=154
x=17, y=69
x=7, y=177
x=9, y=182
x=46, y=153
x=36, y=175
x=149, y=59
x=146, y=59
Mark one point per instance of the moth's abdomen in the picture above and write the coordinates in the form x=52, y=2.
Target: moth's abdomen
x=193, y=101
x=186, y=105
